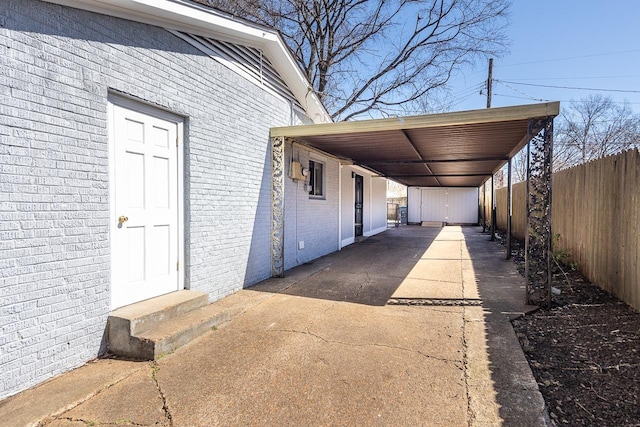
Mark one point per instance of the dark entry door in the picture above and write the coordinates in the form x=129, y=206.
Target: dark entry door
x=358, y=206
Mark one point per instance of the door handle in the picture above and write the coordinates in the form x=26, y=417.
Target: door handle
x=123, y=219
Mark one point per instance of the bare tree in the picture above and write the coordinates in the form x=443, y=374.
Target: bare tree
x=587, y=129
x=377, y=56
x=592, y=128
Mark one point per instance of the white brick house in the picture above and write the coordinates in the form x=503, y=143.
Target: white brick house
x=83, y=85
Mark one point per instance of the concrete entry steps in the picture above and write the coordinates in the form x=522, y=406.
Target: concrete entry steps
x=152, y=328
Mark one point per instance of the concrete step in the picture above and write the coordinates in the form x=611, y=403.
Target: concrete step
x=438, y=224
x=151, y=328
x=168, y=335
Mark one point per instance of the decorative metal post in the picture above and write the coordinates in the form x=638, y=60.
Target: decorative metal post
x=538, y=251
x=509, y=210
x=277, y=206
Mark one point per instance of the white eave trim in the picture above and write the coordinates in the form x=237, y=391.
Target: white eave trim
x=197, y=19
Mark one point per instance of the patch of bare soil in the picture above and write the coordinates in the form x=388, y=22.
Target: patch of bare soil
x=585, y=354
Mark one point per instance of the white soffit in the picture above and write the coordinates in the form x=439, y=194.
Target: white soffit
x=197, y=19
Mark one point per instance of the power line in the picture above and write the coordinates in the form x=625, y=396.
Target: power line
x=575, y=78
x=552, y=100
x=570, y=87
x=519, y=91
x=470, y=89
x=570, y=58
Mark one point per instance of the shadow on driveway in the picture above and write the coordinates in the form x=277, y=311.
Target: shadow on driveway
x=323, y=346
x=445, y=267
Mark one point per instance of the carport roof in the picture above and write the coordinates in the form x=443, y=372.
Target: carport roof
x=459, y=149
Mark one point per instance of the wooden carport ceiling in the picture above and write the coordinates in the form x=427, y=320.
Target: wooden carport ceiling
x=461, y=149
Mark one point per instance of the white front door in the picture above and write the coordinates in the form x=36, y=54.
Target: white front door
x=145, y=204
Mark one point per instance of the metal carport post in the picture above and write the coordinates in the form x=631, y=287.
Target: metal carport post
x=457, y=149
x=277, y=206
x=538, y=240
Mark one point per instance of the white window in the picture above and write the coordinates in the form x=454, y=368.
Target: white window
x=316, y=177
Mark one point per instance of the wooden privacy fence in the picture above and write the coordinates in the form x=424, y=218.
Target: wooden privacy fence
x=596, y=211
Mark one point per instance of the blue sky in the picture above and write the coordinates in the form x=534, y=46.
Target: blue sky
x=587, y=44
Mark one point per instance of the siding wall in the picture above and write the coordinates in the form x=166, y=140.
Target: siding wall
x=378, y=206
x=57, y=66
x=374, y=215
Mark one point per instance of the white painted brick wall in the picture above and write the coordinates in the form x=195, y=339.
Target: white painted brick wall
x=313, y=221
x=57, y=65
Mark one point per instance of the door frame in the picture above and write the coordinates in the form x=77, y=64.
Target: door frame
x=144, y=108
x=355, y=210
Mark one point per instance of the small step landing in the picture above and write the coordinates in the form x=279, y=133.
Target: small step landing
x=152, y=328
x=438, y=224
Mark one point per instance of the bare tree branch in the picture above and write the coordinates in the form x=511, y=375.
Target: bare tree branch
x=586, y=130
x=362, y=55
x=592, y=128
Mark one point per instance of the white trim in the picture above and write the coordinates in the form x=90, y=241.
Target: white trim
x=370, y=203
x=339, y=206
x=143, y=107
x=353, y=205
x=112, y=192
x=348, y=241
x=181, y=225
x=323, y=164
x=374, y=232
x=364, y=171
x=114, y=99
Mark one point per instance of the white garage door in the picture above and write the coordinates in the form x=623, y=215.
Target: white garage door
x=434, y=204
x=451, y=205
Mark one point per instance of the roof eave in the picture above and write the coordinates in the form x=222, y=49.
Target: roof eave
x=193, y=18
x=458, y=118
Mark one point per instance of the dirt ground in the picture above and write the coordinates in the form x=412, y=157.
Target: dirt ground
x=584, y=352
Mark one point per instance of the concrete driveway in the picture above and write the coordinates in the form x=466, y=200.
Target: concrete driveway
x=409, y=327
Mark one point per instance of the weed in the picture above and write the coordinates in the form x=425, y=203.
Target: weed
x=154, y=369
x=562, y=256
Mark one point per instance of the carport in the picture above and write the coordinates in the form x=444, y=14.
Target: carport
x=459, y=149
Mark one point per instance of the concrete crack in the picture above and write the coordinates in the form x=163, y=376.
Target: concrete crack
x=93, y=422
x=465, y=354
x=165, y=407
x=393, y=347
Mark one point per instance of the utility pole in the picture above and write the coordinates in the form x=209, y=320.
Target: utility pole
x=489, y=82
x=493, y=192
